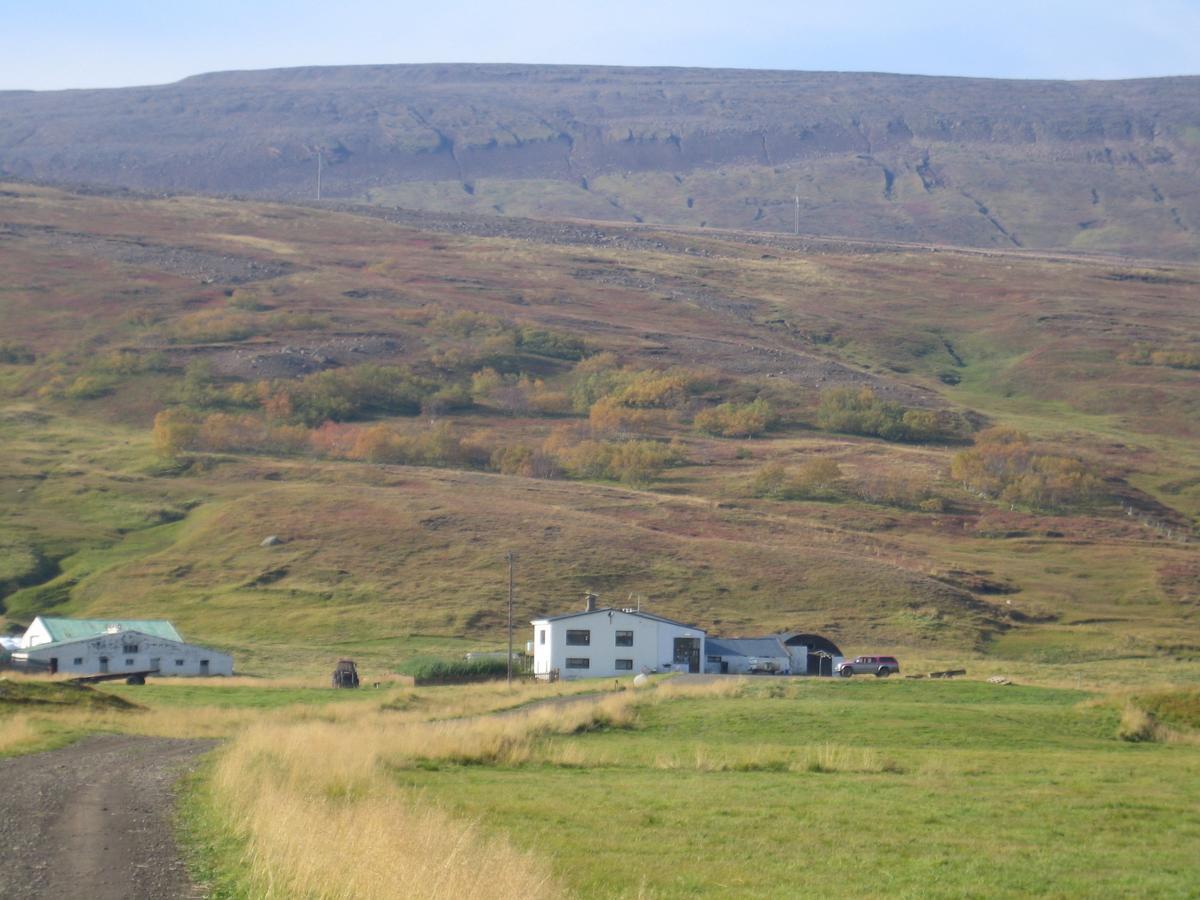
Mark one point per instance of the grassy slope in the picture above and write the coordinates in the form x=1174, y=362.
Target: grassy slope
x=392, y=561
x=910, y=788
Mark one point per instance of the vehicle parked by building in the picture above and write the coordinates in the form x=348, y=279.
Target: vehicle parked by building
x=879, y=666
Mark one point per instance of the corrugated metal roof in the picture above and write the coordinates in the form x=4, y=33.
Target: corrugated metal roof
x=63, y=630
x=71, y=642
x=640, y=615
x=760, y=647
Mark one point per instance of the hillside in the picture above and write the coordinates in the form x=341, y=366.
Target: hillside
x=960, y=453
x=1090, y=166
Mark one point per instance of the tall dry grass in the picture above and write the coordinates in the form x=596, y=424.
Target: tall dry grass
x=321, y=817
x=306, y=796
x=17, y=732
x=816, y=758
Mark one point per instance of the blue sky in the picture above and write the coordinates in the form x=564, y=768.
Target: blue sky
x=101, y=43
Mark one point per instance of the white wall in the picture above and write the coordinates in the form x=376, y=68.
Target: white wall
x=740, y=665
x=653, y=644
x=35, y=634
x=172, y=658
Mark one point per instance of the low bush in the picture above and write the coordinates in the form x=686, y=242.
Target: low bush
x=630, y=462
x=1137, y=726
x=90, y=386
x=14, y=354
x=129, y=362
x=457, y=671
x=853, y=410
x=815, y=479
x=736, y=419
x=354, y=393
x=1004, y=464
x=1177, y=358
x=554, y=344
x=216, y=326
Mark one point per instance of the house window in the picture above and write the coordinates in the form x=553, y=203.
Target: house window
x=625, y=664
x=578, y=662
x=129, y=662
x=714, y=659
x=542, y=636
x=179, y=662
x=579, y=637
x=129, y=648
x=78, y=661
x=624, y=638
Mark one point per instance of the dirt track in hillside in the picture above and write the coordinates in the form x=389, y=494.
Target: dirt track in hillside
x=95, y=820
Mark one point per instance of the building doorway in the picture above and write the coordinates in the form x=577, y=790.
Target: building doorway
x=103, y=664
x=687, y=653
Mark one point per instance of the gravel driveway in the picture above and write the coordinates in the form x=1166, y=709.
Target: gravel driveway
x=95, y=820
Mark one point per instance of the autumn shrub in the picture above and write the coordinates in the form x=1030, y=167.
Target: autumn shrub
x=16, y=354
x=554, y=344
x=736, y=419
x=853, y=410
x=524, y=461
x=650, y=389
x=635, y=462
x=1004, y=464
x=594, y=377
x=446, y=399
x=436, y=446
x=610, y=417
x=199, y=388
x=517, y=394
x=175, y=431
x=896, y=487
x=129, y=362
x=813, y=480
x=89, y=386
x=356, y=393
x=297, y=321
x=1175, y=358
x=215, y=326
x=465, y=323
x=246, y=300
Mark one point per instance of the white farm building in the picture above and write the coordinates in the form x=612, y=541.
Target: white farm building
x=99, y=646
x=604, y=642
x=609, y=641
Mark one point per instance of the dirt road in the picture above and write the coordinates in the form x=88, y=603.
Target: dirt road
x=94, y=820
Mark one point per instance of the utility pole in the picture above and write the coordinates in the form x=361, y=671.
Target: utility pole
x=797, y=209
x=510, y=556
x=319, y=175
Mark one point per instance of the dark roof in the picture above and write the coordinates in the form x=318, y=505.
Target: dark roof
x=628, y=612
x=811, y=641
x=762, y=647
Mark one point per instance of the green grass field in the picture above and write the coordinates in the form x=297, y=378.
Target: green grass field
x=904, y=788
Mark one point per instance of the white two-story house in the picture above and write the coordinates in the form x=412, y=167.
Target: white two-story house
x=607, y=641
